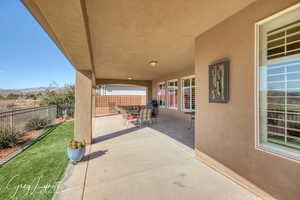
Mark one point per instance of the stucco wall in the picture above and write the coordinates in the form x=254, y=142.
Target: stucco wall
x=84, y=106
x=225, y=132
x=172, y=112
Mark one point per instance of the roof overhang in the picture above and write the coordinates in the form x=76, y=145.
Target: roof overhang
x=116, y=39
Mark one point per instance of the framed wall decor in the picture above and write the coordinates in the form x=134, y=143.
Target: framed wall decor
x=219, y=82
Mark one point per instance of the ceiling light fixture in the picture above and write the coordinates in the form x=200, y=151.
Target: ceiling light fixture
x=153, y=63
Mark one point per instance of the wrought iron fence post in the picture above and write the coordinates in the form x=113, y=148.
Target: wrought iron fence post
x=48, y=117
x=12, y=121
x=57, y=110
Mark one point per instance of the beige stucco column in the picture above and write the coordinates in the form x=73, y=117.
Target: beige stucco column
x=84, y=105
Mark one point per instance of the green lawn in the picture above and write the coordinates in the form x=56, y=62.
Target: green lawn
x=35, y=173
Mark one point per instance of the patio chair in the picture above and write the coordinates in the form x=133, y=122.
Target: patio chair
x=112, y=107
x=145, y=116
x=128, y=118
x=192, y=119
x=155, y=113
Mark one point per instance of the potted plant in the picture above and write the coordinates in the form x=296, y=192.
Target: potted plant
x=76, y=150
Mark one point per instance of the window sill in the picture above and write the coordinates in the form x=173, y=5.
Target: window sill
x=281, y=151
x=188, y=110
x=173, y=108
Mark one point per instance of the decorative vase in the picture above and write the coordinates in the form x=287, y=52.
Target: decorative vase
x=82, y=150
x=75, y=155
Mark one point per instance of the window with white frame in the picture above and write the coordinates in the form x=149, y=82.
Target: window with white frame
x=188, y=93
x=172, y=94
x=278, y=83
x=161, y=94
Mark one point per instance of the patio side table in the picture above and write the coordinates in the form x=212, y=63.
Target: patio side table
x=192, y=117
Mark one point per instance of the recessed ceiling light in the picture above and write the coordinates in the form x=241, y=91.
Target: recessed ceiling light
x=153, y=63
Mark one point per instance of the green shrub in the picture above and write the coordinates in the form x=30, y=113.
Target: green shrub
x=8, y=138
x=36, y=124
x=65, y=95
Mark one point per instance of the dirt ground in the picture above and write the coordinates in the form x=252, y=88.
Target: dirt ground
x=22, y=140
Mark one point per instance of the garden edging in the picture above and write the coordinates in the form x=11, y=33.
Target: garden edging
x=36, y=138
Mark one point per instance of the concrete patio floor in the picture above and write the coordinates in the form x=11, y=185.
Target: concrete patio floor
x=126, y=163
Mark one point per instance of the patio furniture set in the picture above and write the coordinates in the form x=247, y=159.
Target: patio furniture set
x=138, y=115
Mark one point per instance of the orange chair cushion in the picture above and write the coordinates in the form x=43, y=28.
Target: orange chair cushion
x=130, y=117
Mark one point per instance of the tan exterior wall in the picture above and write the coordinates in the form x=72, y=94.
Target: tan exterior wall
x=179, y=75
x=226, y=132
x=103, y=102
x=84, y=106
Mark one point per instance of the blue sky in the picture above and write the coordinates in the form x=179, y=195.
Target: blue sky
x=28, y=57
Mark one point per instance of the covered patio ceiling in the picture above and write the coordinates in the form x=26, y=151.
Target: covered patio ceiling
x=117, y=38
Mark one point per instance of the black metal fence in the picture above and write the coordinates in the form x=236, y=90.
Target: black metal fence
x=65, y=110
x=15, y=120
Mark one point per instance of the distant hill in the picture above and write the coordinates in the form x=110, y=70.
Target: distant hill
x=4, y=92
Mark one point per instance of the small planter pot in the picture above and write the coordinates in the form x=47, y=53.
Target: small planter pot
x=82, y=150
x=75, y=155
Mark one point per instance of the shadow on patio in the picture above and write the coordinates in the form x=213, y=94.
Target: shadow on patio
x=145, y=163
x=175, y=128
